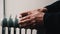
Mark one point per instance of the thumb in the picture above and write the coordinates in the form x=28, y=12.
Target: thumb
x=42, y=9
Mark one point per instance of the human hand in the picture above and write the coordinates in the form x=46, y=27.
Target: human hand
x=32, y=17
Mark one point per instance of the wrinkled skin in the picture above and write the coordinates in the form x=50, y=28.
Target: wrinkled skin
x=32, y=17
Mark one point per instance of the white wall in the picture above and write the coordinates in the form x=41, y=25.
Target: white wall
x=17, y=6
x=1, y=10
x=1, y=14
x=14, y=7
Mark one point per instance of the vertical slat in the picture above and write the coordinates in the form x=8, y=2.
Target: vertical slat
x=17, y=31
x=34, y=31
x=3, y=30
x=25, y=31
x=9, y=30
x=6, y=30
x=12, y=30
x=28, y=31
x=0, y=29
x=22, y=31
x=31, y=31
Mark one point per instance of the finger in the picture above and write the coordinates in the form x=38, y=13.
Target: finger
x=28, y=17
x=24, y=18
x=26, y=25
x=27, y=20
x=23, y=25
x=20, y=16
x=42, y=9
x=31, y=22
x=25, y=13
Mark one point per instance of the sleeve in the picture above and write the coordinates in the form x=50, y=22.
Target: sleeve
x=52, y=20
x=52, y=15
x=55, y=7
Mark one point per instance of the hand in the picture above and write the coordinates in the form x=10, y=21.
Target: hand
x=32, y=17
